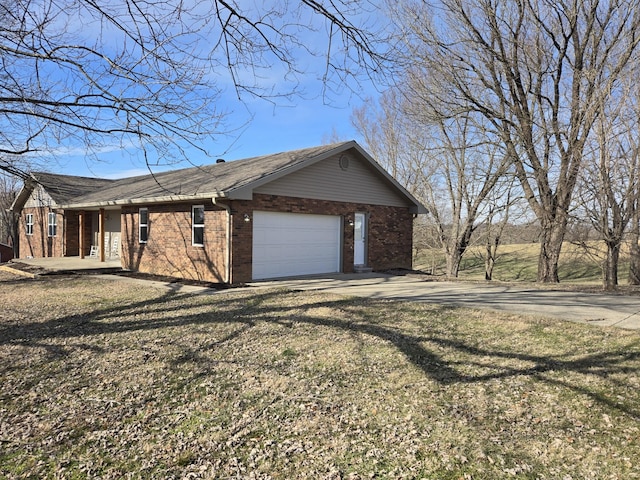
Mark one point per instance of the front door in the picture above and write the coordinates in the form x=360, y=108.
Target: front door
x=359, y=239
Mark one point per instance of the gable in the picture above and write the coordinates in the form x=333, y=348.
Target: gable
x=344, y=177
x=39, y=198
x=43, y=189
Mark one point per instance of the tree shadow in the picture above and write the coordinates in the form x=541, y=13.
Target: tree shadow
x=422, y=349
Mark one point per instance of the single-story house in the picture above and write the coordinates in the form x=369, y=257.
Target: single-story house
x=318, y=210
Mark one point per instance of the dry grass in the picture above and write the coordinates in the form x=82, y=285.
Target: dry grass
x=518, y=262
x=102, y=379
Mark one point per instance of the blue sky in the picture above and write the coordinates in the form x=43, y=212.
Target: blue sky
x=270, y=129
x=255, y=126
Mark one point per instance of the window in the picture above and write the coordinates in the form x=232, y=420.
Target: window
x=197, y=225
x=29, y=222
x=143, y=232
x=52, y=224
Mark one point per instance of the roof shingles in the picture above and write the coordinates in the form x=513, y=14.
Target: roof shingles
x=202, y=181
x=64, y=188
x=235, y=180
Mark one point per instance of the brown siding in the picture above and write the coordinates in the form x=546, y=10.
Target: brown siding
x=327, y=180
x=168, y=250
x=39, y=244
x=389, y=238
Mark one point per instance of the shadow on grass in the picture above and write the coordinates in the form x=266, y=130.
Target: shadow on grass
x=169, y=310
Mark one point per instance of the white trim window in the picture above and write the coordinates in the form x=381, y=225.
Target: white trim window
x=29, y=223
x=197, y=225
x=52, y=224
x=143, y=225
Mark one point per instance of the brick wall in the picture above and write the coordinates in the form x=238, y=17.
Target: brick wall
x=389, y=231
x=169, y=250
x=71, y=234
x=39, y=244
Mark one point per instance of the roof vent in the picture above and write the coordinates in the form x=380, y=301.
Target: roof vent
x=220, y=160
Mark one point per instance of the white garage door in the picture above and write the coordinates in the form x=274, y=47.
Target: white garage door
x=289, y=244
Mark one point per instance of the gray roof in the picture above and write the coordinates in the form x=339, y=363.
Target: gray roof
x=208, y=181
x=61, y=188
x=64, y=188
x=233, y=180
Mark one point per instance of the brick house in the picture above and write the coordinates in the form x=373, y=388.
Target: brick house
x=317, y=210
x=45, y=229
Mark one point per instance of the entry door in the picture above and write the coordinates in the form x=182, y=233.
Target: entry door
x=359, y=239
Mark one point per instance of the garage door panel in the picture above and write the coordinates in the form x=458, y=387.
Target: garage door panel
x=288, y=244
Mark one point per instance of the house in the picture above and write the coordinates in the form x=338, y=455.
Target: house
x=45, y=229
x=318, y=210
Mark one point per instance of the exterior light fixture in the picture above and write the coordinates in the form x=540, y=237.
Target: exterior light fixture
x=247, y=218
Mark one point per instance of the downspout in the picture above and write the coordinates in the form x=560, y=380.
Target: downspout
x=227, y=208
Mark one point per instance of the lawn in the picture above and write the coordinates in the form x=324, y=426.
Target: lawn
x=518, y=262
x=108, y=379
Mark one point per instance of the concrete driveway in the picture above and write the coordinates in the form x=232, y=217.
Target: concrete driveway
x=596, y=309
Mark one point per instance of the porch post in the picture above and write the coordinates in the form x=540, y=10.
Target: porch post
x=101, y=234
x=81, y=233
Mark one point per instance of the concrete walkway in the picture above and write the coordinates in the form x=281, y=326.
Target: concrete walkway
x=597, y=309
x=70, y=263
x=602, y=309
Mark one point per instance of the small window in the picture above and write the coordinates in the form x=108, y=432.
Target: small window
x=52, y=224
x=143, y=214
x=29, y=223
x=197, y=225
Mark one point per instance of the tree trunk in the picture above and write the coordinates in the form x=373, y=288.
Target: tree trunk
x=454, y=258
x=550, y=246
x=490, y=259
x=488, y=268
x=634, y=252
x=610, y=270
x=15, y=235
x=455, y=253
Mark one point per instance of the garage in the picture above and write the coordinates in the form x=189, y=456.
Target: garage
x=290, y=244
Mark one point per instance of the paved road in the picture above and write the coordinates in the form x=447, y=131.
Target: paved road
x=597, y=309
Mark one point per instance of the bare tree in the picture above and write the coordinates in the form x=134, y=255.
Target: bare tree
x=441, y=160
x=87, y=74
x=538, y=71
x=634, y=230
x=634, y=241
x=503, y=202
x=393, y=139
x=466, y=173
x=611, y=180
x=8, y=222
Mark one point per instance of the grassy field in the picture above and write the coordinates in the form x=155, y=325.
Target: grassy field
x=104, y=379
x=518, y=262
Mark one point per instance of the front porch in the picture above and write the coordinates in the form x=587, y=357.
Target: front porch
x=96, y=233
x=71, y=264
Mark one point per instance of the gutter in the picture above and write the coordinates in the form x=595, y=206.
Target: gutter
x=139, y=201
x=227, y=208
